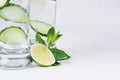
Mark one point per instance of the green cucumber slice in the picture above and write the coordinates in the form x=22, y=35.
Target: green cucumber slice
x=3, y=3
x=14, y=13
x=40, y=27
x=13, y=35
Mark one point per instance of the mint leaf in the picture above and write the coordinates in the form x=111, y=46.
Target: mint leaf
x=39, y=38
x=57, y=36
x=59, y=54
x=50, y=34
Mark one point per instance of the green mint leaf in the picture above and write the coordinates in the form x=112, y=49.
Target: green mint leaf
x=59, y=54
x=56, y=64
x=39, y=39
x=57, y=36
x=50, y=34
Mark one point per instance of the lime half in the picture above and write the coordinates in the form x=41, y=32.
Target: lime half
x=41, y=55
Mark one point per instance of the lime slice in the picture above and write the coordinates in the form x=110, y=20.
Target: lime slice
x=40, y=27
x=41, y=55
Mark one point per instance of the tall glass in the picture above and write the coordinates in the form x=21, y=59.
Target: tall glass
x=14, y=38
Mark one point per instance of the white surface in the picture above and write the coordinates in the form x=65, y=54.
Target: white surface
x=91, y=31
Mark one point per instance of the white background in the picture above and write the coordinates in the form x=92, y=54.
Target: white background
x=91, y=31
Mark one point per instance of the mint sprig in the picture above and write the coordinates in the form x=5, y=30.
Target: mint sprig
x=52, y=36
x=49, y=41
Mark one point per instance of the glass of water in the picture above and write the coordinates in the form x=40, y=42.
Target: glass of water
x=14, y=30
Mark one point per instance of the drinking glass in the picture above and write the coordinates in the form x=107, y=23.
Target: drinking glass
x=14, y=38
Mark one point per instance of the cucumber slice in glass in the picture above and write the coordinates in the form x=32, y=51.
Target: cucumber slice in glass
x=40, y=26
x=13, y=35
x=14, y=13
x=3, y=3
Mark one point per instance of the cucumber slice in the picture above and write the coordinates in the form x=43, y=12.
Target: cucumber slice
x=13, y=35
x=3, y=3
x=40, y=27
x=14, y=13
